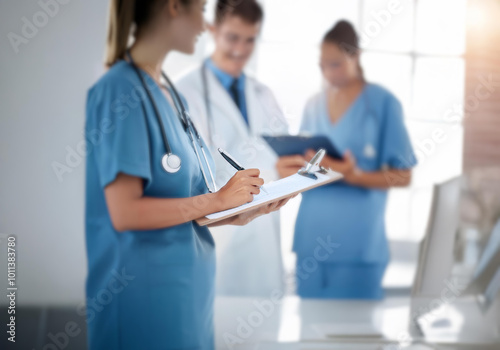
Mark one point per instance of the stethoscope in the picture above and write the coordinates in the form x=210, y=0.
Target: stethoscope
x=369, y=150
x=171, y=162
x=206, y=99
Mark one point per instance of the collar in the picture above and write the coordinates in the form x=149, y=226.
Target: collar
x=224, y=78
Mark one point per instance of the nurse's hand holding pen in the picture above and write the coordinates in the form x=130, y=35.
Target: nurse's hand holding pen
x=131, y=210
x=240, y=190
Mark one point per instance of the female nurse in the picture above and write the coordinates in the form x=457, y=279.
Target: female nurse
x=151, y=267
x=340, y=240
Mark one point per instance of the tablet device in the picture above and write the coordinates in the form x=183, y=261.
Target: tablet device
x=287, y=145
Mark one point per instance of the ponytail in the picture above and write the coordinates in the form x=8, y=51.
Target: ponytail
x=121, y=18
x=127, y=18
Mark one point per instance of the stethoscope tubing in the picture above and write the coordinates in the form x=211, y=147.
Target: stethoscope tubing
x=185, y=120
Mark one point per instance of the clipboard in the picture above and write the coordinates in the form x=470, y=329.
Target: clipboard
x=277, y=190
x=286, y=145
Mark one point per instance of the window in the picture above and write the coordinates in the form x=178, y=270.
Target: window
x=414, y=48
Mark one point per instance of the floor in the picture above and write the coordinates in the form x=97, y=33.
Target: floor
x=40, y=328
x=44, y=329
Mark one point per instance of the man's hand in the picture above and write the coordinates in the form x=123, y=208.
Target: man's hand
x=346, y=166
x=289, y=165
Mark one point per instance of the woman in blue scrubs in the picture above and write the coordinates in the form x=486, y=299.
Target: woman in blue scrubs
x=340, y=239
x=151, y=268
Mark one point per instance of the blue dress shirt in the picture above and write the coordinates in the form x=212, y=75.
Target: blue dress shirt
x=226, y=81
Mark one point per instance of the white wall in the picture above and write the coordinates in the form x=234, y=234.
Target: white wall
x=42, y=113
x=43, y=89
x=42, y=100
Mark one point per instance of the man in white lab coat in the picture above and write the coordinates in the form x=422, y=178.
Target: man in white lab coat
x=232, y=110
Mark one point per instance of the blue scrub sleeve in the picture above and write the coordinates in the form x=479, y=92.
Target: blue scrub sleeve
x=396, y=149
x=117, y=129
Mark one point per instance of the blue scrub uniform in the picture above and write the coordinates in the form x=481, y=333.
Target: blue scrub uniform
x=340, y=240
x=151, y=289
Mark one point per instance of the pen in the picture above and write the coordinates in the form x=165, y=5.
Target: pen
x=234, y=163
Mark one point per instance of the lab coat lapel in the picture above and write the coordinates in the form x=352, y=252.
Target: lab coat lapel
x=254, y=108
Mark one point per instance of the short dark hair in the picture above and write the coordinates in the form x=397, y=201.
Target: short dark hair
x=248, y=10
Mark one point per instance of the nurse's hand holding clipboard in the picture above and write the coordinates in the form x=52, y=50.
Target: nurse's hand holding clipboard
x=240, y=190
x=130, y=210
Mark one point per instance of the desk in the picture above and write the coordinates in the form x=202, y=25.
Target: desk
x=247, y=322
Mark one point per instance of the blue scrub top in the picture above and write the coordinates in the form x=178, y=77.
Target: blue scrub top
x=350, y=219
x=151, y=289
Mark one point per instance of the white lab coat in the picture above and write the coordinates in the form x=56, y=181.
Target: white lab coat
x=249, y=259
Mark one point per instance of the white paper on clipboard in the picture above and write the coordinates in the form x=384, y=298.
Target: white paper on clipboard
x=276, y=190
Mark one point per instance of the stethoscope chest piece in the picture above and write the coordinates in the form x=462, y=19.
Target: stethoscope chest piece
x=171, y=163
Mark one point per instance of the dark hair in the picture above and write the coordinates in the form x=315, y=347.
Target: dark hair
x=345, y=37
x=248, y=10
x=122, y=15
